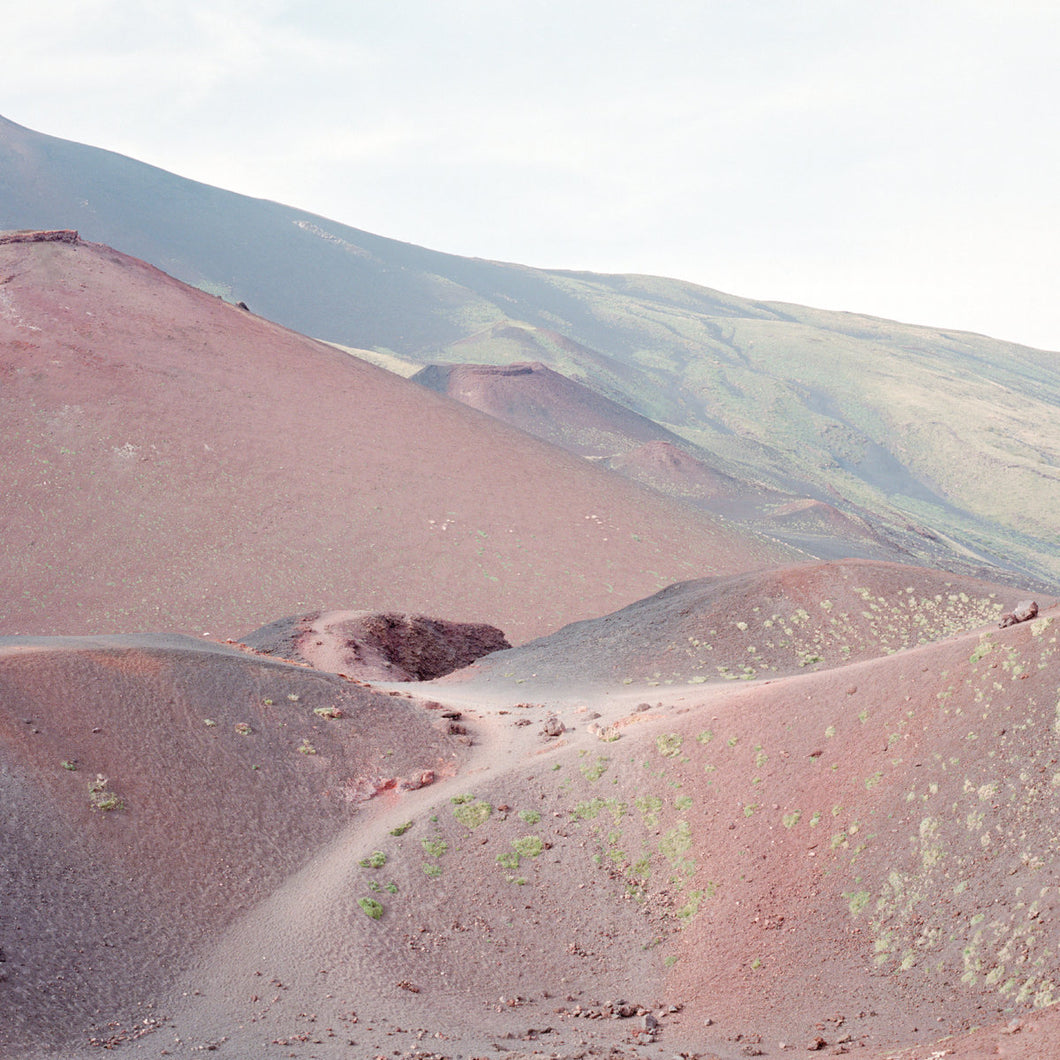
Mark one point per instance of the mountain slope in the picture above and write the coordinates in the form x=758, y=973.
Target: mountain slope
x=810, y=617
x=534, y=398
x=156, y=788
x=170, y=461
x=575, y=417
x=856, y=857
x=947, y=442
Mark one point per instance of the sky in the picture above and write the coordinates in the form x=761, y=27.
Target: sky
x=892, y=158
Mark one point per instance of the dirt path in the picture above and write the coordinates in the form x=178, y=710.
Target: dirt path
x=277, y=950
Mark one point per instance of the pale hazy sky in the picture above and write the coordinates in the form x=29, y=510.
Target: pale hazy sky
x=894, y=158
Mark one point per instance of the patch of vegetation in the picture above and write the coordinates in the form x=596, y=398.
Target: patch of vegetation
x=529, y=846
x=691, y=907
x=473, y=814
x=371, y=908
x=858, y=900
x=243, y=728
x=676, y=843
x=375, y=860
x=529, y=816
x=649, y=806
x=327, y=712
x=434, y=848
x=401, y=828
x=595, y=771
x=101, y=797
x=592, y=808
x=306, y=748
x=669, y=744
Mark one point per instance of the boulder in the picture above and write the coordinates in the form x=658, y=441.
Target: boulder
x=1024, y=611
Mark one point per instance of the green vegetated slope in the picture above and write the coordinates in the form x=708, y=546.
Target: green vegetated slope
x=951, y=434
x=948, y=441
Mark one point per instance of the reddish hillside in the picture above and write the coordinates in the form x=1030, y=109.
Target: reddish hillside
x=853, y=858
x=573, y=416
x=764, y=624
x=154, y=789
x=546, y=404
x=169, y=461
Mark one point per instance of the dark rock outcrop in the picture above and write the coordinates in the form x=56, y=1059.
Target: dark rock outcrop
x=1024, y=611
x=61, y=235
x=368, y=645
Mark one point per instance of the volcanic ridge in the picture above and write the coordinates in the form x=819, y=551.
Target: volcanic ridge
x=540, y=759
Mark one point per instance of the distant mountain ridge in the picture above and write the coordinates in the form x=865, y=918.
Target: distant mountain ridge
x=948, y=442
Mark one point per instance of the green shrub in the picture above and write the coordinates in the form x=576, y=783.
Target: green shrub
x=472, y=814
x=372, y=908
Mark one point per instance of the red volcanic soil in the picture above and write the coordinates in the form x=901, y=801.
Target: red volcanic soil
x=852, y=856
x=809, y=808
x=169, y=461
x=155, y=789
x=575, y=417
x=546, y=404
x=663, y=466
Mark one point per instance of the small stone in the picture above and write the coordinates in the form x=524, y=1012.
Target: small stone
x=553, y=726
